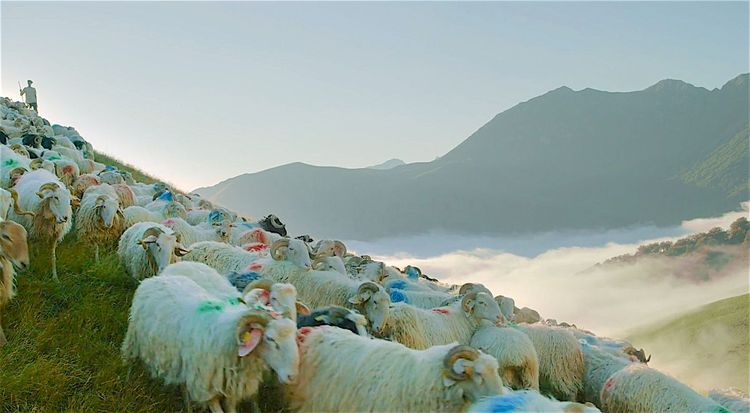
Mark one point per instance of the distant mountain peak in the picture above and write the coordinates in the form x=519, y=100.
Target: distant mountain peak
x=671, y=85
x=740, y=80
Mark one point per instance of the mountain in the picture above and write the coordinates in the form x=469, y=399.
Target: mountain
x=701, y=342
x=389, y=164
x=568, y=159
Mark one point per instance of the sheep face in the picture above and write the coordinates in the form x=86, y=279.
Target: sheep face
x=284, y=299
x=481, y=306
x=108, y=208
x=59, y=202
x=292, y=250
x=175, y=210
x=13, y=244
x=478, y=378
x=374, y=303
x=279, y=348
x=162, y=248
x=223, y=229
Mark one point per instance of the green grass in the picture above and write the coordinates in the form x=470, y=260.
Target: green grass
x=706, y=347
x=63, y=351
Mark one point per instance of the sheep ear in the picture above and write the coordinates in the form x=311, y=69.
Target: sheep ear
x=302, y=308
x=249, y=340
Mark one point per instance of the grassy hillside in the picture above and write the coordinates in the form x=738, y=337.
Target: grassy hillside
x=63, y=351
x=697, y=345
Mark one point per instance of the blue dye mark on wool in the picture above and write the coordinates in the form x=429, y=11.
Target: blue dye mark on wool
x=166, y=196
x=110, y=168
x=248, y=225
x=397, y=284
x=215, y=215
x=412, y=273
x=240, y=280
x=507, y=403
x=398, y=296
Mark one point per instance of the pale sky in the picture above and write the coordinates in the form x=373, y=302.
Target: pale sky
x=199, y=92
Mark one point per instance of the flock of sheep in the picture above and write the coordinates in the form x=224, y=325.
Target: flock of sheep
x=230, y=308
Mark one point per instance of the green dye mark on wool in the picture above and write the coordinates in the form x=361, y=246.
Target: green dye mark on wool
x=208, y=306
x=234, y=301
x=10, y=162
x=721, y=409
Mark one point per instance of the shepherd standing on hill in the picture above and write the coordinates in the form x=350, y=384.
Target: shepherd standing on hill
x=30, y=94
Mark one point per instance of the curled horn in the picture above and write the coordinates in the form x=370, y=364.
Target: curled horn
x=100, y=200
x=339, y=245
x=464, y=352
x=155, y=231
x=49, y=186
x=262, y=283
x=275, y=253
x=179, y=250
x=464, y=288
x=36, y=163
x=465, y=301
x=16, y=208
x=256, y=317
x=368, y=286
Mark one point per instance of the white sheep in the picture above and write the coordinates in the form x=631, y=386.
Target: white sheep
x=146, y=248
x=281, y=297
x=340, y=371
x=561, y=365
x=203, y=232
x=222, y=257
x=323, y=288
x=332, y=263
x=135, y=214
x=515, y=354
x=640, y=389
x=419, y=328
x=42, y=194
x=14, y=251
x=528, y=401
x=599, y=366
x=99, y=219
x=217, y=349
x=8, y=202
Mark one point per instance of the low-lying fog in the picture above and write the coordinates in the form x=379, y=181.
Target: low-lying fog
x=544, y=272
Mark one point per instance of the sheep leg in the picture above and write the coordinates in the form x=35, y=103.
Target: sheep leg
x=186, y=397
x=254, y=407
x=54, y=261
x=231, y=405
x=215, y=406
x=96, y=253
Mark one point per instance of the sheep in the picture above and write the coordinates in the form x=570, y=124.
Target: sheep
x=340, y=371
x=243, y=233
x=329, y=264
x=619, y=348
x=100, y=220
x=599, y=365
x=222, y=257
x=733, y=399
x=528, y=401
x=271, y=223
x=507, y=305
x=419, y=328
x=525, y=315
x=322, y=288
x=329, y=248
x=514, y=351
x=561, y=364
x=239, y=280
x=146, y=248
x=422, y=299
x=40, y=163
x=49, y=201
x=67, y=171
x=335, y=316
x=203, y=232
x=82, y=183
x=14, y=252
x=640, y=389
x=110, y=177
x=125, y=194
x=280, y=297
x=8, y=201
x=218, y=350
x=135, y=214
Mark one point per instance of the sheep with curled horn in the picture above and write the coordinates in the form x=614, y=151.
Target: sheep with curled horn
x=272, y=223
x=219, y=354
x=146, y=248
x=420, y=328
x=329, y=248
x=334, y=316
x=99, y=220
x=333, y=263
x=322, y=288
x=341, y=371
x=43, y=194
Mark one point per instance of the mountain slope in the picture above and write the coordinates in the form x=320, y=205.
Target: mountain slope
x=564, y=160
x=701, y=342
x=389, y=164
